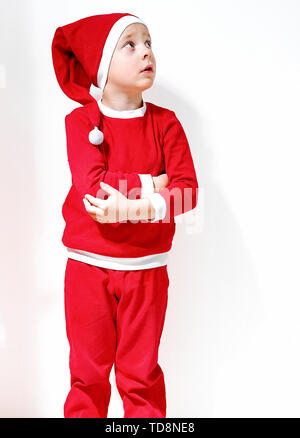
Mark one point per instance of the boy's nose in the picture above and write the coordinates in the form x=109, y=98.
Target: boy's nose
x=148, y=54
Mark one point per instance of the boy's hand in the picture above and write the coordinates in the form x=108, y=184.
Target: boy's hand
x=160, y=182
x=111, y=210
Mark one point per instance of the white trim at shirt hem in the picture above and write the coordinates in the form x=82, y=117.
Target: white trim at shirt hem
x=119, y=263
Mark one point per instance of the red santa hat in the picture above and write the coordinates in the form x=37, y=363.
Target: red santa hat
x=81, y=53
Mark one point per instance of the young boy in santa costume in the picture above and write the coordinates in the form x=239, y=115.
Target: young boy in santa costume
x=132, y=173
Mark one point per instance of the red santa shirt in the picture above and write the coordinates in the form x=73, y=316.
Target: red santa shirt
x=138, y=144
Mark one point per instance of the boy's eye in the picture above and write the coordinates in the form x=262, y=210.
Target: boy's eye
x=129, y=42
x=132, y=43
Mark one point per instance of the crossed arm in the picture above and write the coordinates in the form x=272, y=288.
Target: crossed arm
x=118, y=208
x=175, y=192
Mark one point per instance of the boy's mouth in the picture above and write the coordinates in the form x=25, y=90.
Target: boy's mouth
x=148, y=69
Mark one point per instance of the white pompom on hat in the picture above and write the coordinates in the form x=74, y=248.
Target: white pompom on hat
x=95, y=136
x=81, y=53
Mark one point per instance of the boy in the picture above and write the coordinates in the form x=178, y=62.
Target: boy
x=130, y=178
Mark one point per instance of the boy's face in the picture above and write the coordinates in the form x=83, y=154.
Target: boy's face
x=132, y=54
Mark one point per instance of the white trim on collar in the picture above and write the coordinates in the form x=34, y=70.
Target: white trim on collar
x=125, y=114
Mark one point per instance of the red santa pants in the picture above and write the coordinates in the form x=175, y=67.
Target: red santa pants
x=115, y=318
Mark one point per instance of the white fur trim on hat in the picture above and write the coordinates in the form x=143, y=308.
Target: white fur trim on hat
x=109, y=47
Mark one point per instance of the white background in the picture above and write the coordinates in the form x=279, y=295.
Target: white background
x=230, y=70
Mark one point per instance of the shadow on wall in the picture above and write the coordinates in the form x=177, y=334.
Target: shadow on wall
x=214, y=297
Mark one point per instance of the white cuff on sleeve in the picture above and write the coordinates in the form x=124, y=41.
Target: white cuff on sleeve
x=159, y=205
x=147, y=184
